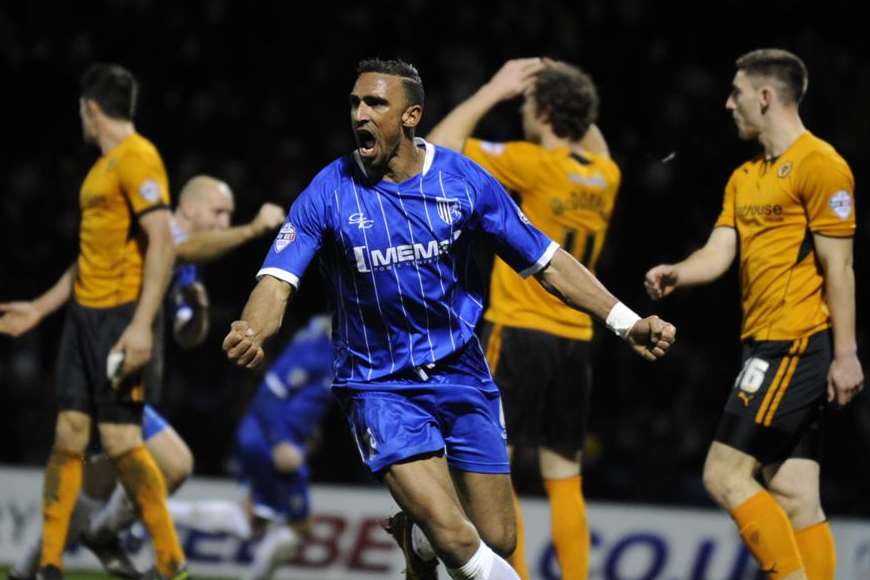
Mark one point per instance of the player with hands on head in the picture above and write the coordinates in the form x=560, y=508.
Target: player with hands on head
x=563, y=177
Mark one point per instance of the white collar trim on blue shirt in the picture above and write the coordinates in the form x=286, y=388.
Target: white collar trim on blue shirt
x=430, y=153
x=419, y=142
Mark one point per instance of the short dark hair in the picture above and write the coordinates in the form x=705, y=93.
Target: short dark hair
x=112, y=87
x=411, y=80
x=568, y=98
x=778, y=64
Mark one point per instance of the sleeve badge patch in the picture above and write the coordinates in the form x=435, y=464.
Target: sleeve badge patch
x=492, y=148
x=285, y=236
x=150, y=191
x=841, y=203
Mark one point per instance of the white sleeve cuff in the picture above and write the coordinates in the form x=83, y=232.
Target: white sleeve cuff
x=284, y=275
x=542, y=261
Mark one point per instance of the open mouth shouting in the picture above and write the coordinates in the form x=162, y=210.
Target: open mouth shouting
x=366, y=143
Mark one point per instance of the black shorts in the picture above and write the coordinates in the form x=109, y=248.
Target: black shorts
x=545, y=382
x=82, y=384
x=775, y=409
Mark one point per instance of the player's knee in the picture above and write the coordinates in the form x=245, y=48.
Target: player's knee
x=451, y=535
x=179, y=469
x=800, y=503
x=72, y=432
x=720, y=480
x=503, y=543
x=711, y=478
x=287, y=458
x=118, y=439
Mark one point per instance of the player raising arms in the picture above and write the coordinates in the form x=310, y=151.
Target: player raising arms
x=567, y=184
x=394, y=224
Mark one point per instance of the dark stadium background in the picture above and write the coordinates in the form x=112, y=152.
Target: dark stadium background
x=256, y=94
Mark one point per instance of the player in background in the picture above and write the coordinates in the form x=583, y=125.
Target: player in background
x=117, y=285
x=201, y=231
x=394, y=224
x=271, y=447
x=566, y=183
x=790, y=211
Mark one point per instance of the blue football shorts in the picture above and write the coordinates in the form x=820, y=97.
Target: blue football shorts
x=394, y=426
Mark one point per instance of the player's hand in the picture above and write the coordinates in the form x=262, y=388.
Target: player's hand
x=515, y=76
x=16, y=318
x=242, y=345
x=661, y=281
x=845, y=379
x=137, y=344
x=287, y=457
x=651, y=337
x=268, y=218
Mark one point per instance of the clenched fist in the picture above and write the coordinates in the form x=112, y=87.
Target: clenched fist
x=652, y=337
x=268, y=218
x=243, y=346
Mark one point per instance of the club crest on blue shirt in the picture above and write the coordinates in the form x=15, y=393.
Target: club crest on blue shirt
x=448, y=210
x=360, y=220
x=285, y=236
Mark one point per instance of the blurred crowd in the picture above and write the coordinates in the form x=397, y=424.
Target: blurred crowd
x=256, y=94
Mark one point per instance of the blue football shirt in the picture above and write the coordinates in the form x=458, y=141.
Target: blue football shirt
x=398, y=257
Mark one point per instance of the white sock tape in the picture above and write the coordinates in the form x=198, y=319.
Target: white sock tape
x=621, y=319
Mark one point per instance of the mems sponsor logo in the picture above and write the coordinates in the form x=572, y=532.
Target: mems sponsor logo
x=402, y=255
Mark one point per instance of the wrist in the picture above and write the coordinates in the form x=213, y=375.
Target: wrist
x=490, y=94
x=676, y=274
x=621, y=319
x=845, y=352
x=250, y=229
x=252, y=334
x=42, y=308
x=140, y=322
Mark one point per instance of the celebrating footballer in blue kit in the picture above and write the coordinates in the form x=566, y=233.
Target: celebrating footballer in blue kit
x=394, y=226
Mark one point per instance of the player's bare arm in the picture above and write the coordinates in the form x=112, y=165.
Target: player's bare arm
x=845, y=377
x=512, y=79
x=261, y=319
x=593, y=141
x=701, y=267
x=137, y=340
x=19, y=317
x=209, y=245
x=577, y=287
